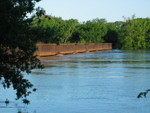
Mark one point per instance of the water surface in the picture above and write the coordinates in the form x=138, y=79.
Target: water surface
x=98, y=82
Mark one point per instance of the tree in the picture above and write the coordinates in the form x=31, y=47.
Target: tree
x=51, y=29
x=16, y=45
x=135, y=34
x=67, y=30
x=92, y=31
x=112, y=36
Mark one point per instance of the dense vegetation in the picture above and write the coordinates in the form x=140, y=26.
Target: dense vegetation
x=16, y=46
x=133, y=33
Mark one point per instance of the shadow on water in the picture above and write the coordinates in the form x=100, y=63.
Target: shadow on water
x=8, y=105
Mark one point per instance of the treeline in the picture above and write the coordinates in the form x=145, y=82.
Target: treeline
x=132, y=33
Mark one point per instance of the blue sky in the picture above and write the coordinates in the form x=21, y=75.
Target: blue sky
x=83, y=10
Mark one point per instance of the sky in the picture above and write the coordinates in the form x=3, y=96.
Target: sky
x=83, y=10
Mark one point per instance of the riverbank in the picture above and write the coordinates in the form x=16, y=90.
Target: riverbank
x=63, y=49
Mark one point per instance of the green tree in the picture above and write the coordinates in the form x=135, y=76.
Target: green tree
x=16, y=45
x=135, y=34
x=112, y=36
x=67, y=29
x=92, y=31
x=45, y=29
x=51, y=29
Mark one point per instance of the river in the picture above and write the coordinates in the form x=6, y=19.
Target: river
x=95, y=82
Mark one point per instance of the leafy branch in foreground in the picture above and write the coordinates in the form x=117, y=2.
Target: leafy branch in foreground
x=143, y=94
x=17, y=46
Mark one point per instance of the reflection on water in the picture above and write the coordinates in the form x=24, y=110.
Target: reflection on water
x=98, y=82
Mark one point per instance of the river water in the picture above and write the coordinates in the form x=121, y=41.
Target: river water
x=95, y=82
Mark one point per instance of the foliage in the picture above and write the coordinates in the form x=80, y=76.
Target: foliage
x=53, y=29
x=92, y=31
x=143, y=94
x=135, y=34
x=16, y=45
x=112, y=36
